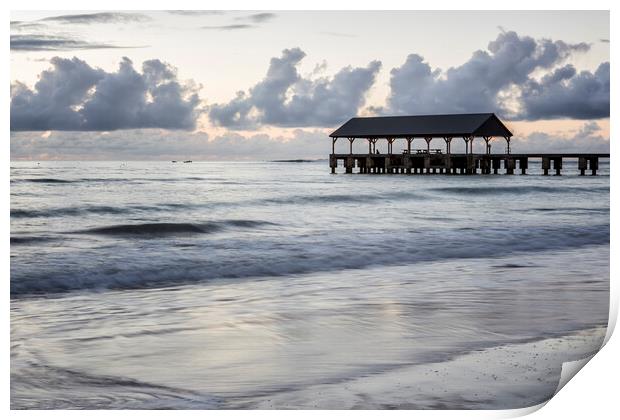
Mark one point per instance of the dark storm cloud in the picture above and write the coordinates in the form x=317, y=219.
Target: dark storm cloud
x=37, y=42
x=103, y=17
x=228, y=27
x=475, y=86
x=564, y=93
x=75, y=96
x=284, y=98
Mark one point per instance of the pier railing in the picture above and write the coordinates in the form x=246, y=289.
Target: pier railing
x=436, y=162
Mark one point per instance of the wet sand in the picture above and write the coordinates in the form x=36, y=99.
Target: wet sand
x=504, y=377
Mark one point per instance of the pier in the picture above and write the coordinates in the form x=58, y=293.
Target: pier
x=462, y=164
x=467, y=127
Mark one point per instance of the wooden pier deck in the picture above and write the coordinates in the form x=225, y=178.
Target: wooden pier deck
x=438, y=162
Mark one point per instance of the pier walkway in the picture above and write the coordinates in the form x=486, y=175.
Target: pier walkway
x=465, y=164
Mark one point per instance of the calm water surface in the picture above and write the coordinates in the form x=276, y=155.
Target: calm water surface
x=161, y=285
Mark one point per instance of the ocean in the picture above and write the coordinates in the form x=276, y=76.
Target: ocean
x=278, y=285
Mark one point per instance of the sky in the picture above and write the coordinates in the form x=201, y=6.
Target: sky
x=256, y=85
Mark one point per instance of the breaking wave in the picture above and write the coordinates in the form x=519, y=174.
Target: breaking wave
x=278, y=257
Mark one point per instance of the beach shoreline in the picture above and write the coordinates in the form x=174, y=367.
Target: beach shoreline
x=504, y=377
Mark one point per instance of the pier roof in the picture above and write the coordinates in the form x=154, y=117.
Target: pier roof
x=448, y=125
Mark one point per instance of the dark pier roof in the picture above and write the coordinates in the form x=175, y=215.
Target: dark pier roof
x=450, y=125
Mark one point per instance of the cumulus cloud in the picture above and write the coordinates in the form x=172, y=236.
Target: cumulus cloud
x=75, y=96
x=285, y=98
x=587, y=139
x=477, y=85
x=564, y=93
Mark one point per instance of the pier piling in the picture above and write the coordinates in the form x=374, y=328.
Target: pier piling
x=557, y=165
x=437, y=162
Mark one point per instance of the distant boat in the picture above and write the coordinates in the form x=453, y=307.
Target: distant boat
x=187, y=161
x=174, y=161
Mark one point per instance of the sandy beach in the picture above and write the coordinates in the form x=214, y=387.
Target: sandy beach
x=504, y=377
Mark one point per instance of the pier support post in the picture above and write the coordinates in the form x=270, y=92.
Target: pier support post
x=557, y=165
x=485, y=165
x=487, y=139
x=470, y=164
x=351, y=140
x=428, y=144
x=333, y=163
x=448, y=140
x=467, y=140
x=523, y=165
x=594, y=165
x=427, y=164
x=407, y=164
x=497, y=163
x=582, y=165
x=349, y=164
x=509, y=165
x=546, y=165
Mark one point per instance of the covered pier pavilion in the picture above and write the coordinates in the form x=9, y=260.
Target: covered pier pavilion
x=465, y=127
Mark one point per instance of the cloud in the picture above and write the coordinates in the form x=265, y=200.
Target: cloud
x=228, y=27
x=195, y=12
x=564, y=93
x=586, y=140
x=32, y=42
x=20, y=25
x=284, y=98
x=75, y=96
x=157, y=144
x=103, y=17
x=258, y=17
x=479, y=84
x=154, y=144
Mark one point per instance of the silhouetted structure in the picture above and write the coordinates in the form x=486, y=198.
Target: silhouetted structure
x=447, y=127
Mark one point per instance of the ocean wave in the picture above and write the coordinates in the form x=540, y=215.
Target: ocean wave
x=111, y=180
x=291, y=255
x=165, y=229
x=45, y=180
x=570, y=210
x=339, y=198
x=62, y=388
x=30, y=239
x=291, y=199
x=517, y=189
x=67, y=211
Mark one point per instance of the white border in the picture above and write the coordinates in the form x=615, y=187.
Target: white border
x=592, y=394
